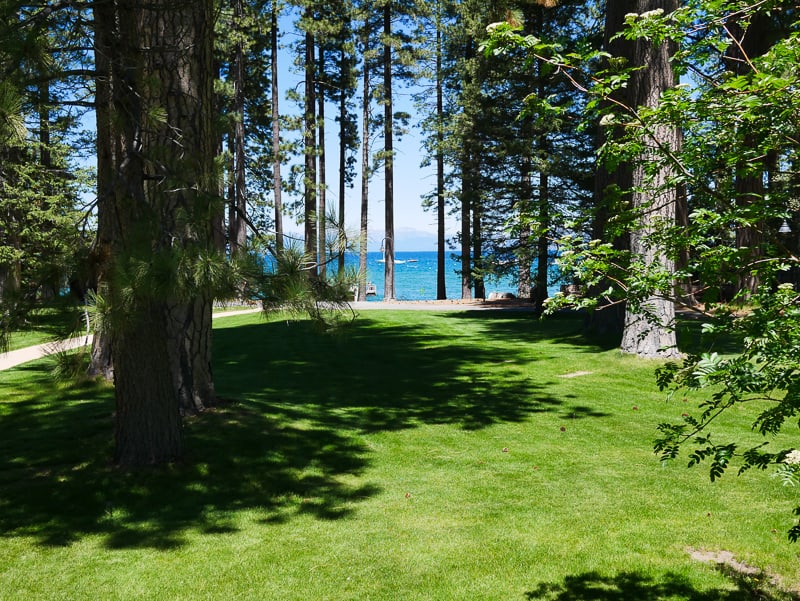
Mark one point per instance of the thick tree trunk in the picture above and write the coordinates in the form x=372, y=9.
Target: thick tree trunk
x=609, y=186
x=188, y=324
x=148, y=423
x=649, y=325
x=164, y=207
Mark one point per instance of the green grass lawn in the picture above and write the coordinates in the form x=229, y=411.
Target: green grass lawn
x=63, y=318
x=416, y=456
x=59, y=319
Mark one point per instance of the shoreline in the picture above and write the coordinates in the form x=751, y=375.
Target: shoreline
x=478, y=304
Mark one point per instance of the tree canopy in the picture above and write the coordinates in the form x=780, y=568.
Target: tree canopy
x=651, y=147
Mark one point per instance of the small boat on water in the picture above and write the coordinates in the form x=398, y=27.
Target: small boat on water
x=397, y=261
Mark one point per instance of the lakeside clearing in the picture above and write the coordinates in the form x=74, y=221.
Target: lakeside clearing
x=418, y=455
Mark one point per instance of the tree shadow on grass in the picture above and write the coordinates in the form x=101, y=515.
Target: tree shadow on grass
x=568, y=328
x=633, y=586
x=369, y=379
x=565, y=328
x=693, y=339
x=290, y=445
x=57, y=484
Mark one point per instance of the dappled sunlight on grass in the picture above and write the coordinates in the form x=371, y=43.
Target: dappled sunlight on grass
x=57, y=485
x=402, y=375
x=635, y=586
x=475, y=455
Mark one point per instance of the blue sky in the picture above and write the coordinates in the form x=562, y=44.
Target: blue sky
x=415, y=228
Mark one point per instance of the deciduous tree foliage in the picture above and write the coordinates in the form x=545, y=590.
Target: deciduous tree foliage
x=736, y=124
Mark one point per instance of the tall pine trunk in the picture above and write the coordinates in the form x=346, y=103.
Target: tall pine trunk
x=478, y=280
x=276, y=131
x=365, y=170
x=310, y=153
x=539, y=293
x=467, y=192
x=388, y=127
x=343, y=137
x=100, y=363
x=441, y=243
x=649, y=325
x=523, y=210
x=238, y=200
x=322, y=194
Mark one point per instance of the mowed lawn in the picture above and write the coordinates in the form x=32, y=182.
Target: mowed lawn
x=416, y=456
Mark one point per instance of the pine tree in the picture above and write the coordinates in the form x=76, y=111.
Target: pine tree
x=160, y=281
x=39, y=243
x=277, y=190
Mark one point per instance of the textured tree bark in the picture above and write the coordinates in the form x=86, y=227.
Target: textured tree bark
x=100, y=363
x=164, y=207
x=190, y=354
x=148, y=423
x=237, y=237
x=649, y=327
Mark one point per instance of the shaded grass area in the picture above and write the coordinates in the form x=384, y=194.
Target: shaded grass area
x=58, y=486
x=60, y=318
x=388, y=376
x=414, y=456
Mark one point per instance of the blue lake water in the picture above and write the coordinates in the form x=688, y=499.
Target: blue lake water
x=415, y=276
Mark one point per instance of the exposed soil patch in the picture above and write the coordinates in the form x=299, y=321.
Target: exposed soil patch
x=759, y=581
x=576, y=374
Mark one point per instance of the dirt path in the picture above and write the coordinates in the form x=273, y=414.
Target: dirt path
x=32, y=353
